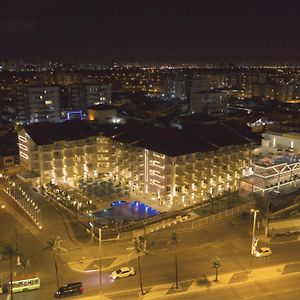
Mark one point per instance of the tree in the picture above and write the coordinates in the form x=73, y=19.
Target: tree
x=11, y=251
x=138, y=246
x=216, y=264
x=174, y=241
x=54, y=244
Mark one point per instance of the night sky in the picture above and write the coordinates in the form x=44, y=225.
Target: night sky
x=150, y=31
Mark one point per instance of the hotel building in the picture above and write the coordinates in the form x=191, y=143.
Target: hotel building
x=174, y=167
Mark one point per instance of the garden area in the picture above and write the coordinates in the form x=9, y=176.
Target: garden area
x=69, y=200
x=100, y=189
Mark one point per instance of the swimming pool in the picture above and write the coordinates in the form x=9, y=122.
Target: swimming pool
x=123, y=211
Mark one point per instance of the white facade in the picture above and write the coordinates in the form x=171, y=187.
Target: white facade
x=61, y=161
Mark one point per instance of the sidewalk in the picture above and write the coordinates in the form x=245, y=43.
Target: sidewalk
x=81, y=255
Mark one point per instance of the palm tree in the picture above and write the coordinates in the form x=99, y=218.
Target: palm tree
x=216, y=264
x=174, y=241
x=54, y=244
x=138, y=246
x=11, y=251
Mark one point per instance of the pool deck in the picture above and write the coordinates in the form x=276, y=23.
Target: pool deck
x=152, y=203
x=105, y=203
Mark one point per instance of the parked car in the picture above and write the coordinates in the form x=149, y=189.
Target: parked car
x=70, y=289
x=122, y=273
x=262, y=252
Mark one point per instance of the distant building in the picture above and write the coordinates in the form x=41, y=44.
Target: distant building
x=32, y=104
x=103, y=114
x=43, y=104
x=9, y=155
x=175, y=86
x=213, y=103
x=82, y=96
x=285, y=92
x=97, y=94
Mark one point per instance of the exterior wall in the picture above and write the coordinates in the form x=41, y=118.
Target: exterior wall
x=26, y=150
x=102, y=116
x=105, y=156
x=283, y=141
x=7, y=161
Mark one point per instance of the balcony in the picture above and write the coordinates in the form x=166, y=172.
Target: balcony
x=180, y=180
x=180, y=170
x=47, y=157
x=58, y=165
x=69, y=154
x=69, y=161
x=90, y=150
x=46, y=166
x=79, y=152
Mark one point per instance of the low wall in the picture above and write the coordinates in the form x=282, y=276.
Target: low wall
x=292, y=223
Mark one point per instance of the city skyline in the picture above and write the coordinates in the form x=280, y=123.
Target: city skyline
x=212, y=31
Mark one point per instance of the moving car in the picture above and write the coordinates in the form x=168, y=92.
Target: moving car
x=70, y=289
x=262, y=252
x=122, y=273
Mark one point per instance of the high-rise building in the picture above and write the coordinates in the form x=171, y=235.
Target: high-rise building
x=175, y=86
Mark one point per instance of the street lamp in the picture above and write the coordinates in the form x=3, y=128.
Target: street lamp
x=100, y=262
x=254, y=239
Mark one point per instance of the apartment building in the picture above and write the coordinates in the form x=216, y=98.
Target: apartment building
x=43, y=104
x=32, y=104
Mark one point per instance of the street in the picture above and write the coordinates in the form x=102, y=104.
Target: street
x=195, y=252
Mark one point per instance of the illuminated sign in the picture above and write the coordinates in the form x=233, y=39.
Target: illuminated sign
x=71, y=115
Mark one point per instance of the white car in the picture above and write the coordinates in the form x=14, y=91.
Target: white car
x=262, y=252
x=122, y=273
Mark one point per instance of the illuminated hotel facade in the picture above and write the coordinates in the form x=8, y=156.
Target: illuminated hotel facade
x=174, y=167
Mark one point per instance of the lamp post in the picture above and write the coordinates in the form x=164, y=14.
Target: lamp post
x=254, y=240
x=100, y=262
